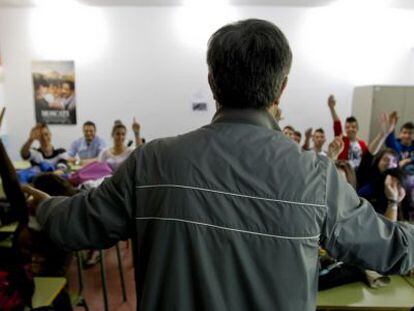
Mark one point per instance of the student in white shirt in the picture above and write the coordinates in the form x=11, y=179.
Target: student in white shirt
x=119, y=152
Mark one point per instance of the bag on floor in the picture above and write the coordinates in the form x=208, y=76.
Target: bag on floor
x=92, y=171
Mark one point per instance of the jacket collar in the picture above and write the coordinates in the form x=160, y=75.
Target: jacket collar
x=260, y=117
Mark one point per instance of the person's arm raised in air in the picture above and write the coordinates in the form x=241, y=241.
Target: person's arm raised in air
x=136, y=129
x=387, y=126
x=33, y=136
x=395, y=193
x=335, y=148
x=308, y=137
x=93, y=219
x=334, y=115
x=353, y=232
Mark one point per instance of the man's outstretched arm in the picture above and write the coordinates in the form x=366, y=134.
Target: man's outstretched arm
x=93, y=219
x=355, y=233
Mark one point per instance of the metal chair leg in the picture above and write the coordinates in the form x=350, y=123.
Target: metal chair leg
x=121, y=273
x=103, y=277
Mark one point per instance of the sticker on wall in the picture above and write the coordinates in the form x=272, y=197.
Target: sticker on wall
x=199, y=101
x=54, y=91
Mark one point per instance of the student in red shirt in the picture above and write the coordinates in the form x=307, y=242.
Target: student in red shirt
x=354, y=148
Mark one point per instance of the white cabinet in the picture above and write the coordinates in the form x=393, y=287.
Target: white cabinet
x=369, y=101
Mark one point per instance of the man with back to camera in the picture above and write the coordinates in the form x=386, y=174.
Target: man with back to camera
x=231, y=216
x=87, y=148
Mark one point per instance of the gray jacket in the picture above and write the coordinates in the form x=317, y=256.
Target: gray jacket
x=229, y=217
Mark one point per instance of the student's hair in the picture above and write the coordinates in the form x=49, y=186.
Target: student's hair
x=70, y=83
x=351, y=119
x=407, y=126
x=349, y=171
x=298, y=134
x=89, y=123
x=383, y=152
x=289, y=127
x=118, y=125
x=320, y=130
x=248, y=61
x=42, y=125
x=54, y=185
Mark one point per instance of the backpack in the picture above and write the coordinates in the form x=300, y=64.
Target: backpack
x=92, y=171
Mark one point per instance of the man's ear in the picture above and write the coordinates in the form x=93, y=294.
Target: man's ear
x=282, y=89
x=212, y=85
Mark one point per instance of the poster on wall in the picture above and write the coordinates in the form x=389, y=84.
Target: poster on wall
x=54, y=91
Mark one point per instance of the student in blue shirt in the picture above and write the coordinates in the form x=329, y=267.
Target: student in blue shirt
x=87, y=148
x=404, y=145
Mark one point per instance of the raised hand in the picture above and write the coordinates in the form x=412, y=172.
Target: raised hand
x=308, y=133
x=335, y=148
x=393, y=190
x=136, y=127
x=388, y=122
x=331, y=101
x=35, y=133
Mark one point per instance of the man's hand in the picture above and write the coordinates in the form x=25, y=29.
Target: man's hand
x=393, y=190
x=35, y=133
x=331, y=101
x=136, y=127
x=308, y=133
x=35, y=197
x=388, y=122
x=335, y=148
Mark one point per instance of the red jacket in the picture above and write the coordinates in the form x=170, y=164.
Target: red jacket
x=344, y=154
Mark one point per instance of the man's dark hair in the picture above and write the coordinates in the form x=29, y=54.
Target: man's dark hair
x=408, y=126
x=248, y=62
x=351, y=119
x=89, y=123
x=289, y=127
x=70, y=83
x=298, y=134
x=320, y=130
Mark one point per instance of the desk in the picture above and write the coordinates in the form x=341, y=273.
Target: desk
x=8, y=229
x=21, y=165
x=399, y=295
x=46, y=291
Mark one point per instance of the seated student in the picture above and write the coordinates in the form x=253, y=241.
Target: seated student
x=297, y=137
x=45, y=152
x=375, y=162
x=88, y=147
x=354, y=148
x=404, y=145
x=119, y=152
x=289, y=131
x=318, y=139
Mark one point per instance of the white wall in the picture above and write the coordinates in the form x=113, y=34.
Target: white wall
x=150, y=62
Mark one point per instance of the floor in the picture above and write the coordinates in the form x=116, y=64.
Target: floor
x=93, y=286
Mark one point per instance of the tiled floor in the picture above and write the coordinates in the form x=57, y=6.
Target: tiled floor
x=93, y=286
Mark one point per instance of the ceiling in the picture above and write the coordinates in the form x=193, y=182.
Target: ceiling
x=409, y=4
